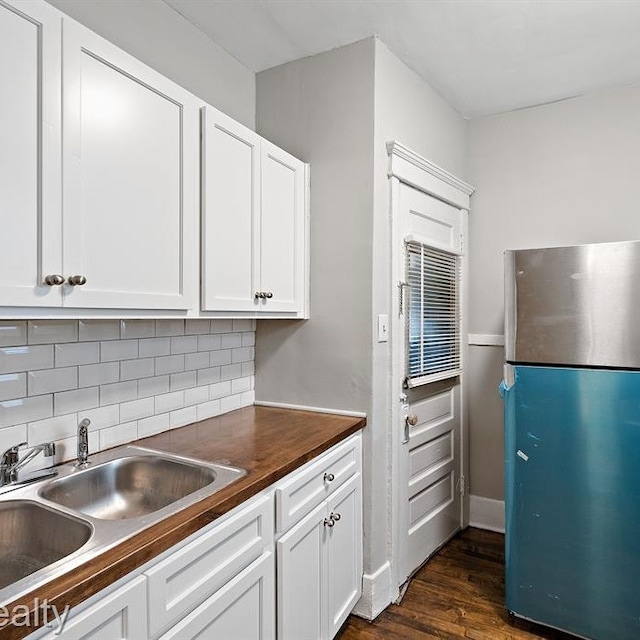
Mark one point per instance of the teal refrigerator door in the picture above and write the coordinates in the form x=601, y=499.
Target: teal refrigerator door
x=572, y=471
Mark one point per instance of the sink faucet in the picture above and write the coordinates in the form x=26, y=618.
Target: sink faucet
x=10, y=464
x=83, y=443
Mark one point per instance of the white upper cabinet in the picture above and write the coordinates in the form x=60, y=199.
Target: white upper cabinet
x=30, y=129
x=130, y=154
x=254, y=223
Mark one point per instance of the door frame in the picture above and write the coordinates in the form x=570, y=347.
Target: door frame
x=408, y=168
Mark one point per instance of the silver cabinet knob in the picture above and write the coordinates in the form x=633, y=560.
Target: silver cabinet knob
x=335, y=516
x=412, y=419
x=260, y=294
x=268, y=294
x=329, y=522
x=54, y=280
x=329, y=477
x=77, y=280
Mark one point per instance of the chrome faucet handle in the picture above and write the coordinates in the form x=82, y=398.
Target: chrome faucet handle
x=10, y=456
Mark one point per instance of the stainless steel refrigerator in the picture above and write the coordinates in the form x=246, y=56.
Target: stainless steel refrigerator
x=572, y=438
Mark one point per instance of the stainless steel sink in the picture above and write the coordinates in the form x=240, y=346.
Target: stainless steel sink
x=33, y=536
x=135, y=485
x=52, y=526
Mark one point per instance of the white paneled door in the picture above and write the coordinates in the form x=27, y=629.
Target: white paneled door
x=428, y=414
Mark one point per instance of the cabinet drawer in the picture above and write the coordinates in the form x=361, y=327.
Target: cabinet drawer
x=305, y=489
x=183, y=580
x=243, y=608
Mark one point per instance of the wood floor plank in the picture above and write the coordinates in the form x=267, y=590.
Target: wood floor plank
x=458, y=594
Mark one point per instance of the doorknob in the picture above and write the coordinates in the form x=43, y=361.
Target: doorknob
x=410, y=420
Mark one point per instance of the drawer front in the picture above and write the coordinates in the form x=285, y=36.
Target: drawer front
x=182, y=581
x=243, y=608
x=306, y=488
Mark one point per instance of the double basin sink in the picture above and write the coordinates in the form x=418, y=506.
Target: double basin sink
x=53, y=525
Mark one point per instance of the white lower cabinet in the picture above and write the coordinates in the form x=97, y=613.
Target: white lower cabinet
x=119, y=615
x=220, y=583
x=242, y=610
x=320, y=567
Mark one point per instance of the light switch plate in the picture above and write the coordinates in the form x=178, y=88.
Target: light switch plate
x=383, y=327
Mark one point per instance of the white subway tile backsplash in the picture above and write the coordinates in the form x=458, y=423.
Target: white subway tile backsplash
x=230, y=371
x=197, y=326
x=209, y=343
x=89, y=330
x=10, y=436
x=94, y=375
x=241, y=384
x=153, y=386
x=120, y=434
x=230, y=403
x=118, y=392
x=152, y=347
x=111, y=350
x=182, y=380
x=199, y=360
x=221, y=326
x=169, y=401
x=242, y=354
x=184, y=344
x=182, y=417
x=219, y=390
x=248, y=398
x=131, y=378
x=76, y=400
x=52, y=380
x=231, y=340
x=13, y=385
x=13, y=332
x=52, y=429
x=248, y=339
x=51, y=331
x=137, y=329
x=25, y=410
x=208, y=409
x=136, y=409
x=169, y=364
x=153, y=425
x=208, y=376
x=25, y=358
x=102, y=417
x=218, y=358
x=75, y=353
x=196, y=395
x=135, y=369
x=169, y=328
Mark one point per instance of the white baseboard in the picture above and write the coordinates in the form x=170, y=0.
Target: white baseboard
x=486, y=513
x=376, y=593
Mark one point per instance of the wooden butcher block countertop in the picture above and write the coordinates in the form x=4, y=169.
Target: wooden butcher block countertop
x=268, y=442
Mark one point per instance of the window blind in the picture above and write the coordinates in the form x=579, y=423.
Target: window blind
x=433, y=318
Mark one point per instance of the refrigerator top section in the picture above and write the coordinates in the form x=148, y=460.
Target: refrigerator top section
x=574, y=306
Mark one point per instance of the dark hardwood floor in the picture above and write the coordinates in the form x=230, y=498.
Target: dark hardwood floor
x=459, y=593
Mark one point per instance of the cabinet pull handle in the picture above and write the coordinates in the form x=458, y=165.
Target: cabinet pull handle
x=54, y=280
x=335, y=516
x=329, y=522
x=329, y=477
x=77, y=280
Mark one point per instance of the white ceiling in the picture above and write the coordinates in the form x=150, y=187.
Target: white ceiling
x=482, y=56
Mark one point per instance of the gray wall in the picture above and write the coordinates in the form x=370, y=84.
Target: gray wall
x=563, y=173
x=153, y=32
x=337, y=110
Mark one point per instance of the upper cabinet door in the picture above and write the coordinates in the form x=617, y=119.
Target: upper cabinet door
x=230, y=214
x=130, y=140
x=29, y=152
x=282, y=226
